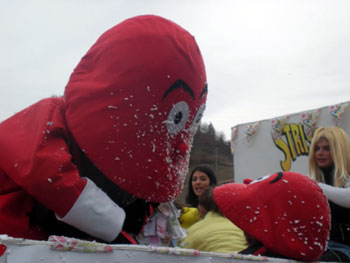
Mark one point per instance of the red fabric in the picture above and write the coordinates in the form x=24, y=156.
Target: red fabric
x=129, y=238
x=260, y=251
x=35, y=164
x=287, y=212
x=117, y=95
x=247, y=181
x=2, y=249
x=118, y=106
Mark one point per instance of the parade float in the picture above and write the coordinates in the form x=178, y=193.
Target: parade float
x=60, y=249
x=282, y=143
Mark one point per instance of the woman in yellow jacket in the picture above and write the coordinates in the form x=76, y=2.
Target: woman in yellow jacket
x=215, y=233
x=201, y=178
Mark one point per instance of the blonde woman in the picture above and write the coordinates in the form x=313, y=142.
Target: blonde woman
x=329, y=165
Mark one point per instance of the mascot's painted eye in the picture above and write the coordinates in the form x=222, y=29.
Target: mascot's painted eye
x=278, y=176
x=260, y=179
x=177, y=117
x=198, y=118
x=199, y=115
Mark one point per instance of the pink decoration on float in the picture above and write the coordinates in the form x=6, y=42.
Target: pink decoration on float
x=337, y=111
x=250, y=130
x=310, y=120
x=71, y=244
x=277, y=126
x=234, y=136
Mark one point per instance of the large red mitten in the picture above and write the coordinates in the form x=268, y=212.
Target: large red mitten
x=287, y=212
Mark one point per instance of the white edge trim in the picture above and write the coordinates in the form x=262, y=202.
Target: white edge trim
x=95, y=214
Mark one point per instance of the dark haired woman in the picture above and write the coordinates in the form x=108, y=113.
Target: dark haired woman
x=201, y=178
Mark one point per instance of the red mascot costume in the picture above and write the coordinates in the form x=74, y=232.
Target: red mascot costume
x=116, y=142
x=286, y=213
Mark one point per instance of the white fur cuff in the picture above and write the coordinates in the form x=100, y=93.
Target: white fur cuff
x=95, y=214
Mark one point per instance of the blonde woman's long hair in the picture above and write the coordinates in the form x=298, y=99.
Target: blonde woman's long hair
x=340, y=152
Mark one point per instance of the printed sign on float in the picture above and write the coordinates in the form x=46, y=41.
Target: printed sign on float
x=282, y=143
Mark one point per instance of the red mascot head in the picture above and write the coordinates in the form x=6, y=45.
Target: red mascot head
x=134, y=102
x=287, y=212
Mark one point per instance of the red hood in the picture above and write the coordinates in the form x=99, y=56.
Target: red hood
x=133, y=102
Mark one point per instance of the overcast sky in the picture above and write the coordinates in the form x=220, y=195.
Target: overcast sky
x=264, y=58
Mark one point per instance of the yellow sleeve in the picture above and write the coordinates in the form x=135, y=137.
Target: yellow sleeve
x=189, y=216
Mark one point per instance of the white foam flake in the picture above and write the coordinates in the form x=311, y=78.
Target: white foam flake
x=319, y=223
x=112, y=107
x=148, y=88
x=285, y=181
x=49, y=123
x=49, y=180
x=16, y=165
x=117, y=158
x=153, y=147
x=154, y=108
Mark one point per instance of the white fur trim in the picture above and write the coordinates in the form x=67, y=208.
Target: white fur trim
x=95, y=214
x=338, y=195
